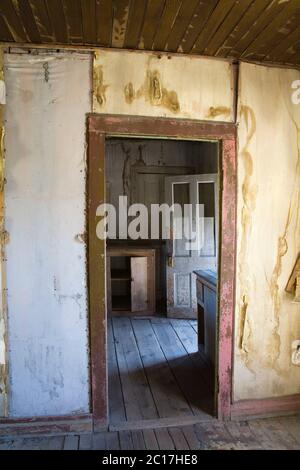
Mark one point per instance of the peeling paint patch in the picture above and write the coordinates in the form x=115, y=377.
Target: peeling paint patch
x=154, y=92
x=99, y=86
x=243, y=316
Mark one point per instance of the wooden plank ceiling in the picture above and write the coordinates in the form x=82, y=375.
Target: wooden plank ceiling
x=254, y=30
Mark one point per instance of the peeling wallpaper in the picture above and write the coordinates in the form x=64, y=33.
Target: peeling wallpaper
x=268, y=233
x=142, y=84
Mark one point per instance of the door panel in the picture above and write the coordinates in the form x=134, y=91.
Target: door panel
x=207, y=197
x=183, y=259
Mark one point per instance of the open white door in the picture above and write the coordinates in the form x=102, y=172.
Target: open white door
x=181, y=260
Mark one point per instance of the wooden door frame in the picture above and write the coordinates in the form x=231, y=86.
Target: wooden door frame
x=102, y=126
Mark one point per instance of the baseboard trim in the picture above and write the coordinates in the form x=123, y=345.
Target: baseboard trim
x=266, y=407
x=47, y=425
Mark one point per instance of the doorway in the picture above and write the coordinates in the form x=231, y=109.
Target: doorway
x=157, y=367
x=101, y=130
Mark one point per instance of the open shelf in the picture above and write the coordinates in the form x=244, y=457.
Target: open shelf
x=121, y=303
x=120, y=275
x=130, y=280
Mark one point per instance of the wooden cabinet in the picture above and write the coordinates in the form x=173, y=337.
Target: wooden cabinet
x=130, y=280
x=206, y=287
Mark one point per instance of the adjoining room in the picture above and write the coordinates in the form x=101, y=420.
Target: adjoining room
x=161, y=292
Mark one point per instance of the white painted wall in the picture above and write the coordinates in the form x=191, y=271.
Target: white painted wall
x=48, y=97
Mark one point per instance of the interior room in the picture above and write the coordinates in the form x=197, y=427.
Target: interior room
x=161, y=293
x=149, y=224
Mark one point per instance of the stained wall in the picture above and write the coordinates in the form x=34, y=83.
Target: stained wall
x=48, y=97
x=45, y=153
x=268, y=227
x=141, y=84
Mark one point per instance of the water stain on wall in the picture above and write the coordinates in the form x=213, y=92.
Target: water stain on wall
x=154, y=92
x=274, y=345
x=249, y=194
x=282, y=249
x=129, y=93
x=99, y=86
x=215, y=111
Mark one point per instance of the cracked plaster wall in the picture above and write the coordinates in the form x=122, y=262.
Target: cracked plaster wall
x=268, y=233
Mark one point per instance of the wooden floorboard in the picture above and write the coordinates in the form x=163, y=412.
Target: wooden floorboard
x=116, y=403
x=242, y=435
x=189, y=340
x=150, y=439
x=187, y=375
x=191, y=438
x=178, y=438
x=282, y=435
x=153, y=372
x=168, y=397
x=272, y=433
x=164, y=439
x=99, y=441
x=138, y=440
x=71, y=443
x=112, y=441
x=126, y=442
x=138, y=399
x=291, y=425
x=86, y=442
x=214, y=436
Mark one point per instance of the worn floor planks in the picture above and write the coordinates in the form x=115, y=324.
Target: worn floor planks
x=155, y=370
x=152, y=366
x=272, y=433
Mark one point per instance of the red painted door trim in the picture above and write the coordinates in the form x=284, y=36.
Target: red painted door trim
x=101, y=126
